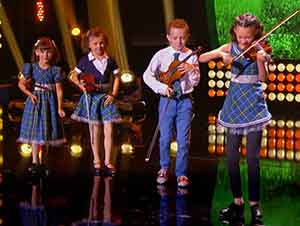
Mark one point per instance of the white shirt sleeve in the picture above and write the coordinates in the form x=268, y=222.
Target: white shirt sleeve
x=149, y=75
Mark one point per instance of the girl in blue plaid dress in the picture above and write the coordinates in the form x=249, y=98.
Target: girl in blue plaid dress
x=40, y=122
x=244, y=112
x=96, y=107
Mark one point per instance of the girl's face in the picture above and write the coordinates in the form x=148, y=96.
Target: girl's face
x=244, y=36
x=97, y=45
x=44, y=55
x=177, y=38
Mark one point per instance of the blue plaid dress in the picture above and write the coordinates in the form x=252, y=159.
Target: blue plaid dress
x=244, y=109
x=40, y=122
x=90, y=108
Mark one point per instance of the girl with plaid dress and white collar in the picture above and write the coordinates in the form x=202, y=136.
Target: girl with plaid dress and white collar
x=244, y=112
x=97, y=108
x=40, y=124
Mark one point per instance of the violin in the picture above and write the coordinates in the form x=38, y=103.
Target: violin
x=263, y=45
x=262, y=39
x=89, y=82
x=172, y=74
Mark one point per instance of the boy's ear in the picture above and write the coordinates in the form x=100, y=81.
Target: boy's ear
x=168, y=37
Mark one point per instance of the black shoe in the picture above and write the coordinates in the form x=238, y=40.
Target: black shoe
x=36, y=171
x=98, y=172
x=109, y=170
x=33, y=170
x=232, y=215
x=256, y=216
x=44, y=170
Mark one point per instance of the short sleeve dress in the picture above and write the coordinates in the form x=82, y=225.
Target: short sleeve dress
x=244, y=109
x=90, y=108
x=40, y=122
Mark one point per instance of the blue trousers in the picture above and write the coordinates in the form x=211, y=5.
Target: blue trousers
x=177, y=117
x=233, y=155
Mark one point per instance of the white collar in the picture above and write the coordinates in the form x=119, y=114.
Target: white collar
x=92, y=57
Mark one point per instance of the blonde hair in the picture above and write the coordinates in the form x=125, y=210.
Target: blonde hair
x=93, y=32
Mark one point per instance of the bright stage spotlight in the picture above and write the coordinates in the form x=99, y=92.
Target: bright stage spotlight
x=127, y=149
x=127, y=77
x=173, y=148
x=75, y=31
x=40, y=10
x=76, y=150
x=25, y=150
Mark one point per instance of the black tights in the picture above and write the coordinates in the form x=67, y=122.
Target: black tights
x=253, y=150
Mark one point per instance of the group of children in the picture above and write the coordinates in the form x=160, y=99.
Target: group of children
x=244, y=111
x=41, y=124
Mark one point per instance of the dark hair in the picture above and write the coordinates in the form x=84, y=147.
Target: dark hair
x=93, y=32
x=247, y=20
x=45, y=43
x=179, y=23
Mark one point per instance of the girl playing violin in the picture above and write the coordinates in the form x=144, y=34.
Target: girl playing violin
x=244, y=112
x=96, y=107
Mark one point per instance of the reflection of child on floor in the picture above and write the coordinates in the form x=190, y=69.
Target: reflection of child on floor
x=33, y=213
x=96, y=216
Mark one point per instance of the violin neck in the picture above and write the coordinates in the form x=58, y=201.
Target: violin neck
x=187, y=57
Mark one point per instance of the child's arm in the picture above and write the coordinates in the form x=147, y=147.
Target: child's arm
x=22, y=84
x=59, y=93
x=114, y=93
x=221, y=52
x=73, y=76
x=262, y=57
x=116, y=85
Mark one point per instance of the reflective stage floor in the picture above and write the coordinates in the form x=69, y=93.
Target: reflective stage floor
x=71, y=195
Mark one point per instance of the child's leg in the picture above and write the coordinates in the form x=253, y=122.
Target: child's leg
x=253, y=149
x=108, y=141
x=35, y=154
x=95, y=143
x=233, y=157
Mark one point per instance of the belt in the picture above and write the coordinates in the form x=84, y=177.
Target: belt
x=183, y=96
x=44, y=87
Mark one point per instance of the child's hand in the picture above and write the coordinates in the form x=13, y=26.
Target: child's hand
x=108, y=100
x=168, y=92
x=227, y=58
x=33, y=98
x=262, y=56
x=61, y=113
x=185, y=67
x=82, y=86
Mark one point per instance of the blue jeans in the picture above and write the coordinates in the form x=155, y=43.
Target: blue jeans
x=233, y=157
x=177, y=117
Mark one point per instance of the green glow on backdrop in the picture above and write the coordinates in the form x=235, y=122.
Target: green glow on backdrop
x=285, y=41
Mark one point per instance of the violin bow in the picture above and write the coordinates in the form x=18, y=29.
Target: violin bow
x=266, y=35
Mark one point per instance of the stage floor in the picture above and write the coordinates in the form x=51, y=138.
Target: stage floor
x=71, y=195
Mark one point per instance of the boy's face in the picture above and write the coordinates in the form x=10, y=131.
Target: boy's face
x=177, y=38
x=97, y=45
